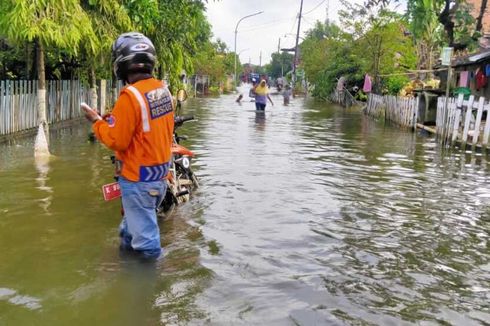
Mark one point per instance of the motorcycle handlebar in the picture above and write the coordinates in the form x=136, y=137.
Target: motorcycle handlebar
x=179, y=120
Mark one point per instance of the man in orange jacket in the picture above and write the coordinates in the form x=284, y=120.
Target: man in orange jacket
x=140, y=131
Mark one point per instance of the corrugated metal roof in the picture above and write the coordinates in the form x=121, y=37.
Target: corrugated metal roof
x=479, y=56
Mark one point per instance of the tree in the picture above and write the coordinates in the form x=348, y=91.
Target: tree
x=190, y=31
x=109, y=19
x=425, y=28
x=380, y=40
x=367, y=41
x=212, y=60
x=58, y=24
x=462, y=30
x=479, y=19
x=327, y=54
x=79, y=34
x=280, y=64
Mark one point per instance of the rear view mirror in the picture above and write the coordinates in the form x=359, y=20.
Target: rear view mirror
x=181, y=95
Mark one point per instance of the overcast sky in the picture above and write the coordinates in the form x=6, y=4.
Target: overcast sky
x=261, y=33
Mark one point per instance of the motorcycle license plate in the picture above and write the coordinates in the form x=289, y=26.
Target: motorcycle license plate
x=111, y=191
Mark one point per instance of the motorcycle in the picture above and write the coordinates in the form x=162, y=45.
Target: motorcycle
x=181, y=179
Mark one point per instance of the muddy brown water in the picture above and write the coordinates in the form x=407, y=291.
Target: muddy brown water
x=307, y=215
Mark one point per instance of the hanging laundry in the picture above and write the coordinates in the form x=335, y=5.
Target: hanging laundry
x=367, y=84
x=481, y=79
x=463, y=79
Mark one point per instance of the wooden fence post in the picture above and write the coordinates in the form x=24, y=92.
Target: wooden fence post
x=476, y=131
x=486, y=131
x=467, y=119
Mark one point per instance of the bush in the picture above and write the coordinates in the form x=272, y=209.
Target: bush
x=214, y=90
x=394, y=84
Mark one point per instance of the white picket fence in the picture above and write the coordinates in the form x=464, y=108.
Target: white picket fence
x=18, y=102
x=464, y=121
x=399, y=110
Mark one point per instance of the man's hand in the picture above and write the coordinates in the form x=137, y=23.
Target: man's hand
x=90, y=113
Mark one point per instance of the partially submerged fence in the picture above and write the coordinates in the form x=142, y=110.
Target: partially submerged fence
x=399, y=110
x=343, y=97
x=18, y=102
x=464, y=121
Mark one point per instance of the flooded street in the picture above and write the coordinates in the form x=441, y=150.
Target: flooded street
x=307, y=215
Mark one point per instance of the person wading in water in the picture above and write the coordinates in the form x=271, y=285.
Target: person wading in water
x=261, y=96
x=140, y=131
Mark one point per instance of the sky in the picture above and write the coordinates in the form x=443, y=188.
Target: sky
x=258, y=36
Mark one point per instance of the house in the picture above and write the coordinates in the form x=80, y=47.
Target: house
x=466, y=73
x=466, y=67
x=480, y=9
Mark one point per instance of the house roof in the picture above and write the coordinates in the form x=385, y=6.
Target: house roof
x=472, y=59
x=479, y=57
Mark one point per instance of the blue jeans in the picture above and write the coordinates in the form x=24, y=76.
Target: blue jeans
x=259, y=106
x=139, y=228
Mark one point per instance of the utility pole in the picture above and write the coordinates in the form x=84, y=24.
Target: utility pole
x=260, y=59
x=279, y=45
x=328, y=5
x=296, y=45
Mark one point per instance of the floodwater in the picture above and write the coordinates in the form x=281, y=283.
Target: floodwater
x=307, y=215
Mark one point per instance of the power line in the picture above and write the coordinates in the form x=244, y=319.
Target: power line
x=318, y=5
x=255, y=27
x=294, y=24
x=307, y=21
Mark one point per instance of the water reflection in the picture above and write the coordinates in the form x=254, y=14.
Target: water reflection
x=310, y=215
x=42, y=167
x=25, y=301
x=260, y=120
x=381, y=219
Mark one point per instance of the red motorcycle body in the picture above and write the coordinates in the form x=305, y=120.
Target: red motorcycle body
x=181, y=150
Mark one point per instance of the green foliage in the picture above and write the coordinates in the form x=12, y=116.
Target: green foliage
x=393, y=84
x=426, y=16
x=366, y=42
x=280, y=64
x=82, y=31
x=11, y=63
x=465, y=27
x=424, y=25
x=178, y=32
x=212, y=60
x=109, y=18
x=62, y=24
x=214, y=90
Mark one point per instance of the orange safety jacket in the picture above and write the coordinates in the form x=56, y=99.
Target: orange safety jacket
x=140, y=130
